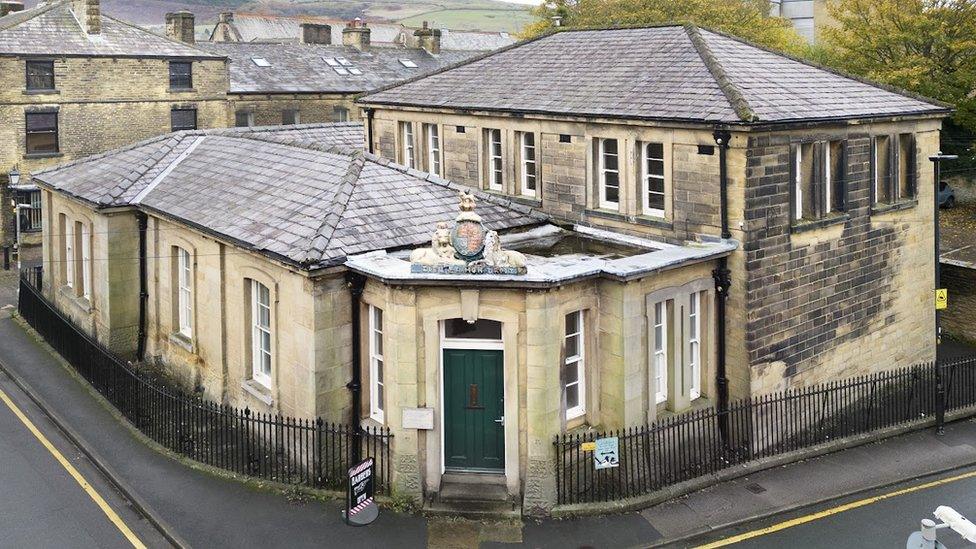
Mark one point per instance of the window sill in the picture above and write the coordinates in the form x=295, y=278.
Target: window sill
x=42, y=92
x=258, y=391
x=527, y=200
x=805, y=225
x=182, y=341
x=371, y=423
x=893, y=207
x=182, y=90
x=643, y=220
x=81, y=302
x=31, y=156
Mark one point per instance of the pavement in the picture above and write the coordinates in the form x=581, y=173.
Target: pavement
x=199, y=509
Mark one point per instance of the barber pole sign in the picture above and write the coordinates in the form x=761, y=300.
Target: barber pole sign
x=360, y=507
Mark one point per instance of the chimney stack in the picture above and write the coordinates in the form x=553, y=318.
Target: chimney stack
x=180, y=26
x=10, y=6
x=226, y=17
x=429, y=39
x=89, y=14
x=316, y=33
x=356, y=34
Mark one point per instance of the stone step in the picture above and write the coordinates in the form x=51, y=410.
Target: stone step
x=465, y=491
x=476, y=510
x=452, y=477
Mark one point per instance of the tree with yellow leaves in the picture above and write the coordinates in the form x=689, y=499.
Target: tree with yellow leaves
x=748, y=19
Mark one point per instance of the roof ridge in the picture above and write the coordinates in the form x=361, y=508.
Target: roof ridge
x=320, y=240
x=733, y=94
x=19, y=17
x=101, y=155
x=136, y=174
x=163, y=36
x=837, y=72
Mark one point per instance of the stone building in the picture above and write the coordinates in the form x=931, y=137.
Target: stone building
x=255, y=309
x=318, y=80
x=75, y=82
x=652, y=220
x=809, y=17
x=281, y=29
x=647, y=131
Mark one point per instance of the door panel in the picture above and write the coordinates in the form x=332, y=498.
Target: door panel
x=473, y=400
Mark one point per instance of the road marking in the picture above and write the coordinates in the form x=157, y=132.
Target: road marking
x=833, y=511
x=112, y=516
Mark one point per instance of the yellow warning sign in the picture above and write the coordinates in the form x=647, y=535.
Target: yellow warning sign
x=588, y=446
x=941, y=299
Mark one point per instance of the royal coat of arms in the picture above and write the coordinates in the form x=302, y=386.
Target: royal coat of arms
x=467, y=248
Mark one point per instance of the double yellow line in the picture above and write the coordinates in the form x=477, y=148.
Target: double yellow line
x=112, y=516
x=833, y=511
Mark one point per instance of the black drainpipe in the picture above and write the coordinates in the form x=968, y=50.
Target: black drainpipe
x=369, y=128
x=356, y=283
x=143, y=286
x=723, y=281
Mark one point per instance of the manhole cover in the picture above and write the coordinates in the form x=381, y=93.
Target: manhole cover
x=755, y=488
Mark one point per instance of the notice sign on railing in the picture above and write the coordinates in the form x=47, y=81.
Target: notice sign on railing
x=607, y=453
x=360, y=507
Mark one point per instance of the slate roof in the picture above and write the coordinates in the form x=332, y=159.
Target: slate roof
x=303, y=67
x=677, y=73
x=307, y=203
x=52, y=29
x=250, y=27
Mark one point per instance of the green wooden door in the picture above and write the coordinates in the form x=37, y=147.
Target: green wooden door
x=474, y=438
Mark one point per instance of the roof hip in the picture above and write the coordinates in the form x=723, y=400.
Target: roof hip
x=732, y=92
x=320, y=241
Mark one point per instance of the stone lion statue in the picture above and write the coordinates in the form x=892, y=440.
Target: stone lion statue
x=441, y=249
x=497, y=257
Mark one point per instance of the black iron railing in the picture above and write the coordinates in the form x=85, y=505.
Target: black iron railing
x=282, y=449
x=686, y=446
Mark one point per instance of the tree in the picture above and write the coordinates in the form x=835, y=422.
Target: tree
x=748, y=19
x=924, y=46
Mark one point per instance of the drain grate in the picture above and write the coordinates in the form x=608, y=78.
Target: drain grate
x=755, y=488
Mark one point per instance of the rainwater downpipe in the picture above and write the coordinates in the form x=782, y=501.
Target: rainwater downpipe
x=143, y=221
x=369, y=128
x=723, y=281
x=356, y=283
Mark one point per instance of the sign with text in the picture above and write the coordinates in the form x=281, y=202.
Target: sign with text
x=360, y=507
x=606, y=454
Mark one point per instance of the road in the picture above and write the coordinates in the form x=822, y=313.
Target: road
x=882, y=519
x=51, y=495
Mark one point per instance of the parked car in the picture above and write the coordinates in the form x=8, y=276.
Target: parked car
x=947, y=196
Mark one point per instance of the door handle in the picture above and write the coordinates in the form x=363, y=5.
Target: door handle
x=500, y=420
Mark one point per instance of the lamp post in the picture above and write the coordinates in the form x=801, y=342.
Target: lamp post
x=939, y=384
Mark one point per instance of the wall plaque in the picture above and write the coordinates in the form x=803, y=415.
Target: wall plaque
x=418, y=418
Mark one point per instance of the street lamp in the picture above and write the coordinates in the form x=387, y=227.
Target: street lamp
x=14, y=177
x=939, y=385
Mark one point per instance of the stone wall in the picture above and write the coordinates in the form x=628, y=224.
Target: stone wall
x=840, y=300
x=312, y=108
x=566, y=167
x=959, y=319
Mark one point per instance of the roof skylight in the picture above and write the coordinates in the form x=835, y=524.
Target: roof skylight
x=331, y=61
x=260, y=61
x=343, y=61
x=355, y=71
x=408, y=63
x=341, y=71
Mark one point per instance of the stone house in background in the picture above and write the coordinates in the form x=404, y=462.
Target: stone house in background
x=282, y=29
x=675, y=132
x=318, y=80
x=76, y=82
